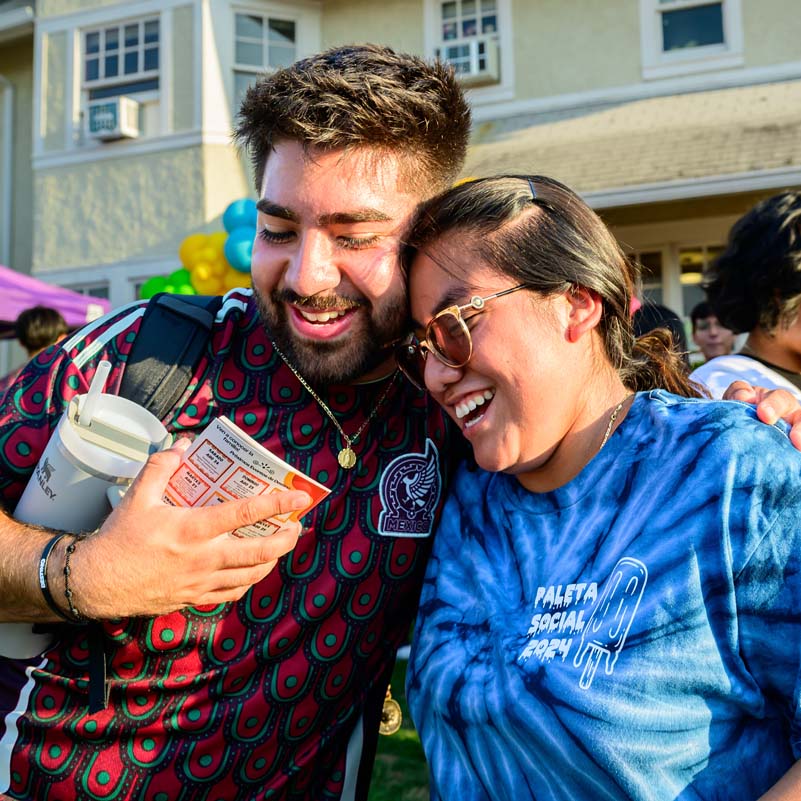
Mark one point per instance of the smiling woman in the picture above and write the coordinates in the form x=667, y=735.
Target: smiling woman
x=613, y=524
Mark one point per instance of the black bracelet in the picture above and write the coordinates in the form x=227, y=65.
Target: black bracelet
x=43, y=583
x=77, y=617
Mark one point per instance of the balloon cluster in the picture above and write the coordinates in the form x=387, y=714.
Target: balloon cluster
x=212, y=263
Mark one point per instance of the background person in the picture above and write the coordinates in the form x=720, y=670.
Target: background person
x=754, y=287
x=712, y=338
x=35, y=329
x=235, y=672
x=612, y=607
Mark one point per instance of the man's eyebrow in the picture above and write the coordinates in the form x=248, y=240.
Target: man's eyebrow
x=357, y=216
x=274, y=210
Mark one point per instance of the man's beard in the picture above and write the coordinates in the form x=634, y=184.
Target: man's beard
x=333, y=362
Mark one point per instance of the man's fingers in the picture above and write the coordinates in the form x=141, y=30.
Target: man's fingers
x=153, y=477
x=741, y=391
x=232, y=515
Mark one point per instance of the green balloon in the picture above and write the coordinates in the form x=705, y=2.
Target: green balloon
x=179, y=277
x=152, y=286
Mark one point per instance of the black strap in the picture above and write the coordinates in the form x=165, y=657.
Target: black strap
x=173, y=335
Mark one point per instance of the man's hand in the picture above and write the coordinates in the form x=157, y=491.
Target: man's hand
x=771, y=405
x=150, y=558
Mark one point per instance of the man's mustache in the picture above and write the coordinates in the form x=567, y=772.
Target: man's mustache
x=319, y=303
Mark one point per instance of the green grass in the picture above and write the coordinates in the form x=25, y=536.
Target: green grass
x=400, y=772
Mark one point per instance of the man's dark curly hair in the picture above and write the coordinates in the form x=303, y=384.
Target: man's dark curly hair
x=361, y=96
x=756, y=281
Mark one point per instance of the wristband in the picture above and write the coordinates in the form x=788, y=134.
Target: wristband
x=76, y=616
x=43, y=584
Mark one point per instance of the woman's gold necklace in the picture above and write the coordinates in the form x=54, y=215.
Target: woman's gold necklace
x=346, y=456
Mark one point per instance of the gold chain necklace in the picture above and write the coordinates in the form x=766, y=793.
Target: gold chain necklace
x=612, y=419
x=346, y=457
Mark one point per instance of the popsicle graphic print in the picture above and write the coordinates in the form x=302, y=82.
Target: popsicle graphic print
x=609, y=624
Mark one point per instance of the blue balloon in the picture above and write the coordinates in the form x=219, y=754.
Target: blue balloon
x=240, y=214
x=238, y=247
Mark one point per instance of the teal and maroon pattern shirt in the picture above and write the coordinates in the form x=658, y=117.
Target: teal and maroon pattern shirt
x=263, y=698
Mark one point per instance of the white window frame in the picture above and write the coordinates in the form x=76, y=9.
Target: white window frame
x=266, y=14
x=121, y=79
x=657, y=63
x=500, y=90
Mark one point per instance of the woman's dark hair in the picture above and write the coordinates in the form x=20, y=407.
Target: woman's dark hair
x=756, y=281
x=538, y=232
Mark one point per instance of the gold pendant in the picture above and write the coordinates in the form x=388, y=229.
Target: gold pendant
x=391, y=715
x=346, y=458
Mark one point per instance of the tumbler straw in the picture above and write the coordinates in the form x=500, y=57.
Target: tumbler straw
x=95, y=390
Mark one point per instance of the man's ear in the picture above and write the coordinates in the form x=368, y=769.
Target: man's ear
x=585, y=310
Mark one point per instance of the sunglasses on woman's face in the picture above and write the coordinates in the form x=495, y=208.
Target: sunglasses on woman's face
x=446, y=336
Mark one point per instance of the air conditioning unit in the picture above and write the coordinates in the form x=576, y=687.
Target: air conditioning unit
x=485, y=65
x=112, y=118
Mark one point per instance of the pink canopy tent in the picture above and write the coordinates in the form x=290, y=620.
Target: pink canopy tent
x=19, y=292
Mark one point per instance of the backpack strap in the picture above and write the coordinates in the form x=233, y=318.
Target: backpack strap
x=174, y=332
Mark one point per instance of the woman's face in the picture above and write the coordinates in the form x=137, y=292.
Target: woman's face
x=510, y=399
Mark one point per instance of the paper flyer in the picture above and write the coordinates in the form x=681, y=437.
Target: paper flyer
x=224, y=463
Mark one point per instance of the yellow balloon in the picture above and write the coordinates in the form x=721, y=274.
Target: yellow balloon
x=190, y=246
x=219, y=267
x=202, y=271
x=233, y=279
x=217, y=241
x=207, y=286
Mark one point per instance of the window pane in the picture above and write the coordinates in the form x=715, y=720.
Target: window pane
x=251, y=54
x=448, y=10
x=281, y=55
x=489, y=24
x=468, y=7
x=469, y=27
x=488, y=5
x=92, y=69
x=112, y=66
x=149, y=85
x=151, y=31
x=93, y=42
x=242, y=80
x=131, y=35
x=282, y=31
x=692, y=27
x=448, y=31
x=112, y=38
x=131, y=62
x=151, y=58
x=248, y=26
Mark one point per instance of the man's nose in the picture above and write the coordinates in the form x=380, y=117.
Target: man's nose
x=312, y=267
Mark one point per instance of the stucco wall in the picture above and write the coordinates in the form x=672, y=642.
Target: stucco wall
x=126, y=210
x=52, y=8
x=183, y=70
x=560, y=50
x=16, y=66
x=397, y=23
x=52, y=109
x=772, y=31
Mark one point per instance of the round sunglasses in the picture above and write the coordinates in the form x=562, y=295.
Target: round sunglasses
x=446, y=336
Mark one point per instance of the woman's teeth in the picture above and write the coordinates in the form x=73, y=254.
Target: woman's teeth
x=321, y=317
x=472, y=403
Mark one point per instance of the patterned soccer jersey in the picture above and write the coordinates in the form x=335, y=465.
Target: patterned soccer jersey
x=633, y=634
x=250, y=700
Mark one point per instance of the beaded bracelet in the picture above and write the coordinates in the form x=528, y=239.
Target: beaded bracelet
x=77, y=617
x=44, y=586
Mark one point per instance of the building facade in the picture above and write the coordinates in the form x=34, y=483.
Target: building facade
x=672, y=117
